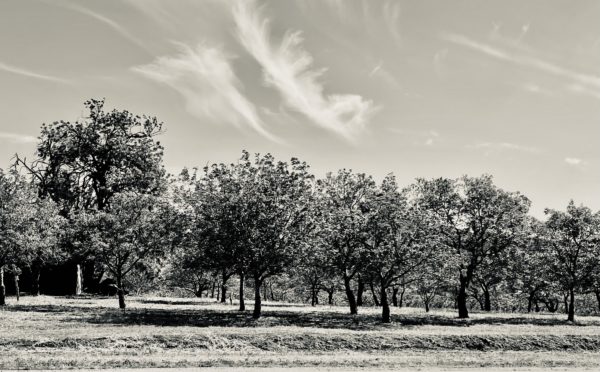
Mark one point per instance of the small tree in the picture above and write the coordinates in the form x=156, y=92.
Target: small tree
x=28, y=226
x=574, y=240
x=134, y=231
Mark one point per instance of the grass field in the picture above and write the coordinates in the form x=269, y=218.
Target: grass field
x=54, y=332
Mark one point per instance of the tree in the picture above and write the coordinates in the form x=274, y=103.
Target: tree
x=530, y=267
x=574, y=241
x=340, y=212
x=397, y=240
x=253, y=215
x=475, y=221
x=28, y=226
x=135, y=231
x=81, y=165
x=41, y=238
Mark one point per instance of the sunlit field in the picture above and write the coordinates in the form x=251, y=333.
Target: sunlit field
x=55, y=332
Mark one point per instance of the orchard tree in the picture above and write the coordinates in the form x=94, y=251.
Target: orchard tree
x=573, y=238
x=276, y=195
x=341, y=217
x=397, y=240
x=251, y=217
x=29, y=226
x=134, y=232
x=42, y=238
x=475, y=221
x=221, y=217
x=530, y=268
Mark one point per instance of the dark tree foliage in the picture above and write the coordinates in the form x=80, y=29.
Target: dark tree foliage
x=574, y=240
x=82, y=164
x=476, y=221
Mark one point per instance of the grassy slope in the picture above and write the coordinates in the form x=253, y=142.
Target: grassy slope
x=47, y=332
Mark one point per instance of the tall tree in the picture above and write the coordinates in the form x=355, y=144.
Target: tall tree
x=475, y=221
x=574, y=240
x=397, y=240
x=252, y=215
x=81, y=165
x=341, y=215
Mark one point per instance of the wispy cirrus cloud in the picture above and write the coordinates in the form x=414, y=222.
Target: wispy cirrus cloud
x=107, y=21
x=523, y=60
x=288, y=68
x=32, y=74
x=17, y=137
x=205, y=79
x=491, y=147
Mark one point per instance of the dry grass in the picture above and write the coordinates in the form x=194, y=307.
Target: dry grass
x=48, y=332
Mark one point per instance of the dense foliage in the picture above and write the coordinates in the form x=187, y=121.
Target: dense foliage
x=98, y=193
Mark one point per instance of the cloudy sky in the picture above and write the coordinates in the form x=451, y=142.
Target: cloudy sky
x=418, y=88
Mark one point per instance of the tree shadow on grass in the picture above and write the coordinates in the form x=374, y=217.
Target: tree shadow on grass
x=203, y=317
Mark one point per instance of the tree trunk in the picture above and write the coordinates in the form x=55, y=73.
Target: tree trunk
x=330, y=297
x=120, y=293
x=537, y=306
x=597, y=292
x=2, y=287
x=360, y=291
x=242, y=303
x=350, y=295
x=224, y=287
x=212, y=292
x=312, y=296
x=426, y=306
x=257, y=303
x=385, y=306
x=78, y=284
x=571, y=316
x=265, y=291
x=375, y=300
x=530, y=302
x=401, y=299
x=36, y=273
x=271, y=291
x=463, y=311
x=17, y=289
x=487, y=303
x=566, y=302
x=395, y=296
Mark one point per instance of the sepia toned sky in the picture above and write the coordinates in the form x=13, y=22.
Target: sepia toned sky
x=417, y=88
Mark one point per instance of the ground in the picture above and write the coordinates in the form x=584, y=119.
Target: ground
x=62, y=333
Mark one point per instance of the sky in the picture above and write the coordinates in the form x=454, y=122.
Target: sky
x=418, y=88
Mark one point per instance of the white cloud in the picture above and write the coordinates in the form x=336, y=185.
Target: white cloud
x=391, y=16
x=17, y=138
x=581, y=89
x=491, y=147
x=208, y=84
x=523, y=60
x=573, y=161
x=287, y=68
x=107, y=21
x=24, y=72
x=536, y=89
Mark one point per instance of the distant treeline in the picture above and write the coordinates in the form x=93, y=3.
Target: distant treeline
x=97, y=197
